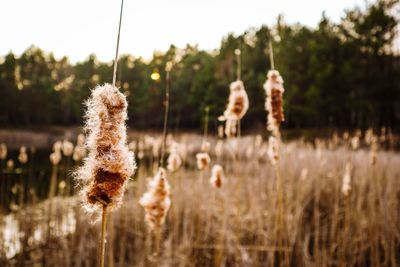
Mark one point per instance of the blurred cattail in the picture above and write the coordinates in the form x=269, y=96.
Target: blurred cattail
x=355, y=142
x=203, y=160
x=10, y=164
x=220, y=131
x=174, y=161
x=67, y=148
x=258, y=140
x=132, y=146
x=23, y=156
x=205, y=146
x=57, y=146
x=273, y=150
x=374, y=150
x=369, y=134
x=156, y=200
x=110, y=163
x=80, y=140
x=55, y=157
x=382, y=137
x=238, y=101
x=219, y=147
x=79, y=153
x=217, y=176
x=346, y=182
x=230, y=128
x=274, y=102
x=346, y=136
x=156, y=147
x=3, y=151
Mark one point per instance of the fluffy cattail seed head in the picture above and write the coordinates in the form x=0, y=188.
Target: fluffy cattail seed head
x=238, y=101
x=174, y=161
x=203, y=160
x=217, y=176
x=109, y=163
x=274, y=102
x=156, y=200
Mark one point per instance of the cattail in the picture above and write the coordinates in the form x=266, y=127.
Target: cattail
x=355, y=142
x=346, y=136
x=174, y=161
x=219, y=148
x=203, y=160
x=274, y=102
x=156, y=200
x=369, y=134
x=230, y=127
x=258, y=141
x=205, y=146
x=374, y=149
x=238, y=101
x=220, y=131
x=55, y=157
x=79, y=153
x=23, y=156
x=109, y=163
x=10, y=164
x=273, y=150
x=67, y=148
x=217, y=176
x=346, y=182
x=132, y=146
x=80, y=140
x=382, y=137
x=3, y=151
x=57, y=146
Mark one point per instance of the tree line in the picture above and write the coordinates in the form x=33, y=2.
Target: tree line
x=337, y=75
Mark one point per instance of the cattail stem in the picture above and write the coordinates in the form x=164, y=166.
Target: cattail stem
x=239, y=66
x=239, y=132
x=207, y=109
x=117, y=47
x=164, y=136
x=271, y=52
x=103, y=234
x=279, y=190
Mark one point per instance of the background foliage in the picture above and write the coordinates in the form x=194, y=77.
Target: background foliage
x=341, y=75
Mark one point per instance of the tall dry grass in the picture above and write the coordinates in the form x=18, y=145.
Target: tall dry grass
x=235, y=225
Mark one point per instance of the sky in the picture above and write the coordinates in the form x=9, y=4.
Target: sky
x=76, y=28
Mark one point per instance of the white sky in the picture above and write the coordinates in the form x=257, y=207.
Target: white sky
x=76, y=28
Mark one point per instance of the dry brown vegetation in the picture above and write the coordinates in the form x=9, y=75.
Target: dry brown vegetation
x=237, y=224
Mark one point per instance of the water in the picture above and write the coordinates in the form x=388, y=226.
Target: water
x=29, y=183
